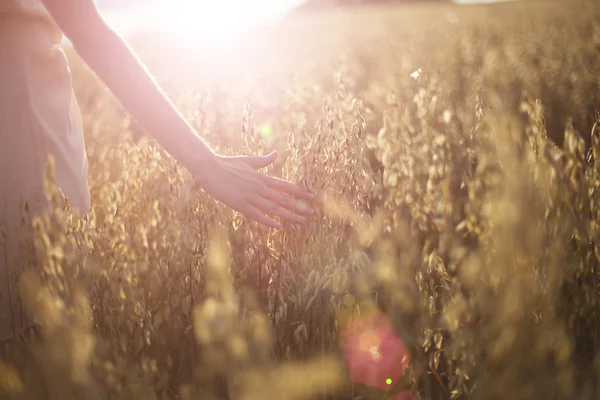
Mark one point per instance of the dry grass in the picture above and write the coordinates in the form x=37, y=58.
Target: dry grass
x=442, y=200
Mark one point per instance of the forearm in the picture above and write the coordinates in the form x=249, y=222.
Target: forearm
x=122, y=72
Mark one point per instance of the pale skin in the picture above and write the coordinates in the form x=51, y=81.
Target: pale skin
x=234, y=181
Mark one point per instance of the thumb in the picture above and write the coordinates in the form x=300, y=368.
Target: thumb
x=261, y=161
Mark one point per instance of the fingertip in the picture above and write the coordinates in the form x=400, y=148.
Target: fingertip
x=272, y=154
x=271, y=222
x=309, y=195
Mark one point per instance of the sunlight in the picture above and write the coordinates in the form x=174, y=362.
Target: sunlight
x=215, y=21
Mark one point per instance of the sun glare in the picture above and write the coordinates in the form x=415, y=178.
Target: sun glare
x=216, y=21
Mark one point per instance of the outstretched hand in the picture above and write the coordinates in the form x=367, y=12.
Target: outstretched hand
x=232, y=180
x=236, y=182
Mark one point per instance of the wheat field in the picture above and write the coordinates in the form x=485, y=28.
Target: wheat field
x=454, y=152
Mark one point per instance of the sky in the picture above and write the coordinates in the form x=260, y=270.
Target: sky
x=207, y=19
x=192, y=17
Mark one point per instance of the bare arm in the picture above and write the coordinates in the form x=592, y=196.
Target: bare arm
x=120, y=69
x=232, y=180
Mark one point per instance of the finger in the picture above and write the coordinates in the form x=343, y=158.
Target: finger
x=261, y=218
x=260, y=161
x=288, y=187
x=297, y=206
x=273, y=208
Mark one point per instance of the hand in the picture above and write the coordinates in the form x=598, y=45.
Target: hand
x=235, y=182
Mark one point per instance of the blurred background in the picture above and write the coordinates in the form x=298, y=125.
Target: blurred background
x=455, y=149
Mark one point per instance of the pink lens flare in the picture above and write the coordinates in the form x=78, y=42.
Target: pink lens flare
x=375, y=355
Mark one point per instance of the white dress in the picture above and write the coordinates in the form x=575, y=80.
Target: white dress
x=39, y=117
